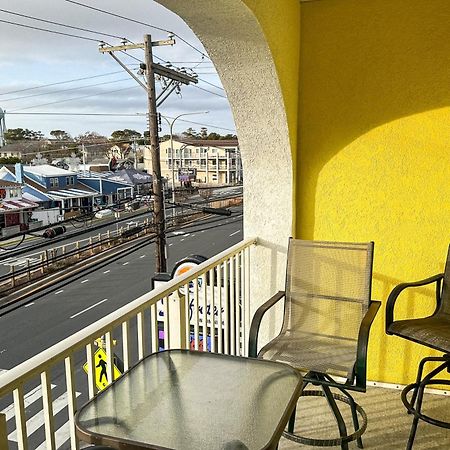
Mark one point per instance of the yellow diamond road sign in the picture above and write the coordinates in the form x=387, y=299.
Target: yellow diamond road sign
x=101, y=372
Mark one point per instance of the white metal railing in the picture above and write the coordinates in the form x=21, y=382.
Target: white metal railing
x=206, y=309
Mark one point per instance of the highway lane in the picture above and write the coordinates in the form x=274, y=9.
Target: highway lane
x=67, y=309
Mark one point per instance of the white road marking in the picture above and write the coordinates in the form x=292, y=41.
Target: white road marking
x=38, y=419
x=29, y=304
x=236, y=232
x=125, y=263
x=170, y=245
x=90, y=307
x=187, y=234
x=62, y=434
x=142, y=256
x=28, y=399
x=193, y=235
x=107, y=271
x=181, y=240
x=59, y=292
x=202, y=231
x=177, y=232
x=84, y=281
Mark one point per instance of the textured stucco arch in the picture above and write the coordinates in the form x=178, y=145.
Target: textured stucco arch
x=236, y=43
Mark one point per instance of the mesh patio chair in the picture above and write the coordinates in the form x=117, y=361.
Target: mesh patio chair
x=325, y=330
x=433, y=332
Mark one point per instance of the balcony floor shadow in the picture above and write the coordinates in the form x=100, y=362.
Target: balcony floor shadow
x=388, y=423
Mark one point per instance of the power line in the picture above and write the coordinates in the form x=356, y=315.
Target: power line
x=65, y=90
x=210, y=92
x=74, y=98
x=49, y=31
x=211, y=84
x=62, y=82
x=137, y=114
x=140, y=23
x=61, y=24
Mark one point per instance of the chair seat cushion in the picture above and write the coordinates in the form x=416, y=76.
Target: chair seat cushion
x=433, y=332
x=310, y=352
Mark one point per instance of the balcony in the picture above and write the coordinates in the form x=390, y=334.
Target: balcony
x=173, y=316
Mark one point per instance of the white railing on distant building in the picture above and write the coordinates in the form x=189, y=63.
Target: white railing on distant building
x=205, y=309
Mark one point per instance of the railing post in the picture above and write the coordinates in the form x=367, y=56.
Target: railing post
x=28, y=270
x=108, y=237
x=42, y=264
x=3, y=432
x=77, y=247
x=90, y=246
x=176, y=308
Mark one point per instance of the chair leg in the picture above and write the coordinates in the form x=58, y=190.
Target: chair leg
x=337, y=415
x=355, y=418
x=291, y=423
x=419, y=377
x=412, y=433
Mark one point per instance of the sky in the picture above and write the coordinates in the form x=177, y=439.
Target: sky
x=31, y=58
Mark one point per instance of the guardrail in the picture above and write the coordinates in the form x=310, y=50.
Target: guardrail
x=205, y=309
x=39, y=265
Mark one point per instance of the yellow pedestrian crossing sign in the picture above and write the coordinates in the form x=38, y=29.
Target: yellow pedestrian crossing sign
x=101, y=372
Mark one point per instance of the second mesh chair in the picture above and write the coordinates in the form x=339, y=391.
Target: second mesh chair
x=327, y=317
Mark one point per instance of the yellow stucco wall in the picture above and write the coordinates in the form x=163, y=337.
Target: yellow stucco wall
x=374, y=152
x=371, y=105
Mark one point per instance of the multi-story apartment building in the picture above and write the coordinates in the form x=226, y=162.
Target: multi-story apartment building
x=201, y=161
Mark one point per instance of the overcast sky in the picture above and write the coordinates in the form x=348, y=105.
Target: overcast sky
x=31, y=58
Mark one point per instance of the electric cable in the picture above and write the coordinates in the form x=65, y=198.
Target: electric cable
x=49, y=31
x=206, y=90
x=63, y=82
x=74, y=98
x=65, y=90
x=61, y=24
x=140, y=23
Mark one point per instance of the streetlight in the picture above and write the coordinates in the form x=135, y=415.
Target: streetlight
x=172, y=151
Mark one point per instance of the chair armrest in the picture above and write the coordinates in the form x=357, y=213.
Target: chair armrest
x=390, y=304
x=256, y=322
x=363, y=340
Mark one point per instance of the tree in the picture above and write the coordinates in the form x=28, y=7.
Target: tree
x=60, y=135
x=214, y=136
x=91, y=137
x=190, y=133
x=126, y=135
x=21, y=134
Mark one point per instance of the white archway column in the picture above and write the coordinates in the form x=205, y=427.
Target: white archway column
x=236, y=44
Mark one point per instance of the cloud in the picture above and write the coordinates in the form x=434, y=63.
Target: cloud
x=32, y=58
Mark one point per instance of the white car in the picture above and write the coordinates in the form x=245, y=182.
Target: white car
x=103, y=213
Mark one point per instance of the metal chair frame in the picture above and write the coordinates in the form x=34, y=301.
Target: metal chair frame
x=356, y=381
x=414, y=405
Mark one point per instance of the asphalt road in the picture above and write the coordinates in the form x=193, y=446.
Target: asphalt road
x=36, y=326
x=41, y=323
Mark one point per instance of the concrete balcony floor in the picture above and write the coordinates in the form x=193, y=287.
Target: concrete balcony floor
x=388, y=423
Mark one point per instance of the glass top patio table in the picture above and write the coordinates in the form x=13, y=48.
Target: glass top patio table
x=179, y=399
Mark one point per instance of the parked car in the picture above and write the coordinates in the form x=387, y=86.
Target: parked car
x=103, y=213
x=131, y=206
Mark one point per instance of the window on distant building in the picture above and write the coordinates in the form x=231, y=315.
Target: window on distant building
x=54, y=182
x=70, y=181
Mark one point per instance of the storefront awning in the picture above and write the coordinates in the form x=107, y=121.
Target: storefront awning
x=16, y=205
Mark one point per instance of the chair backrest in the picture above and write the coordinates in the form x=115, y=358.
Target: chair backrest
x=445, y=293
x=328, y=289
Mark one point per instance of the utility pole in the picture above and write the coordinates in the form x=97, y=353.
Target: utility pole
x=176, y=78
x=158, y=204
